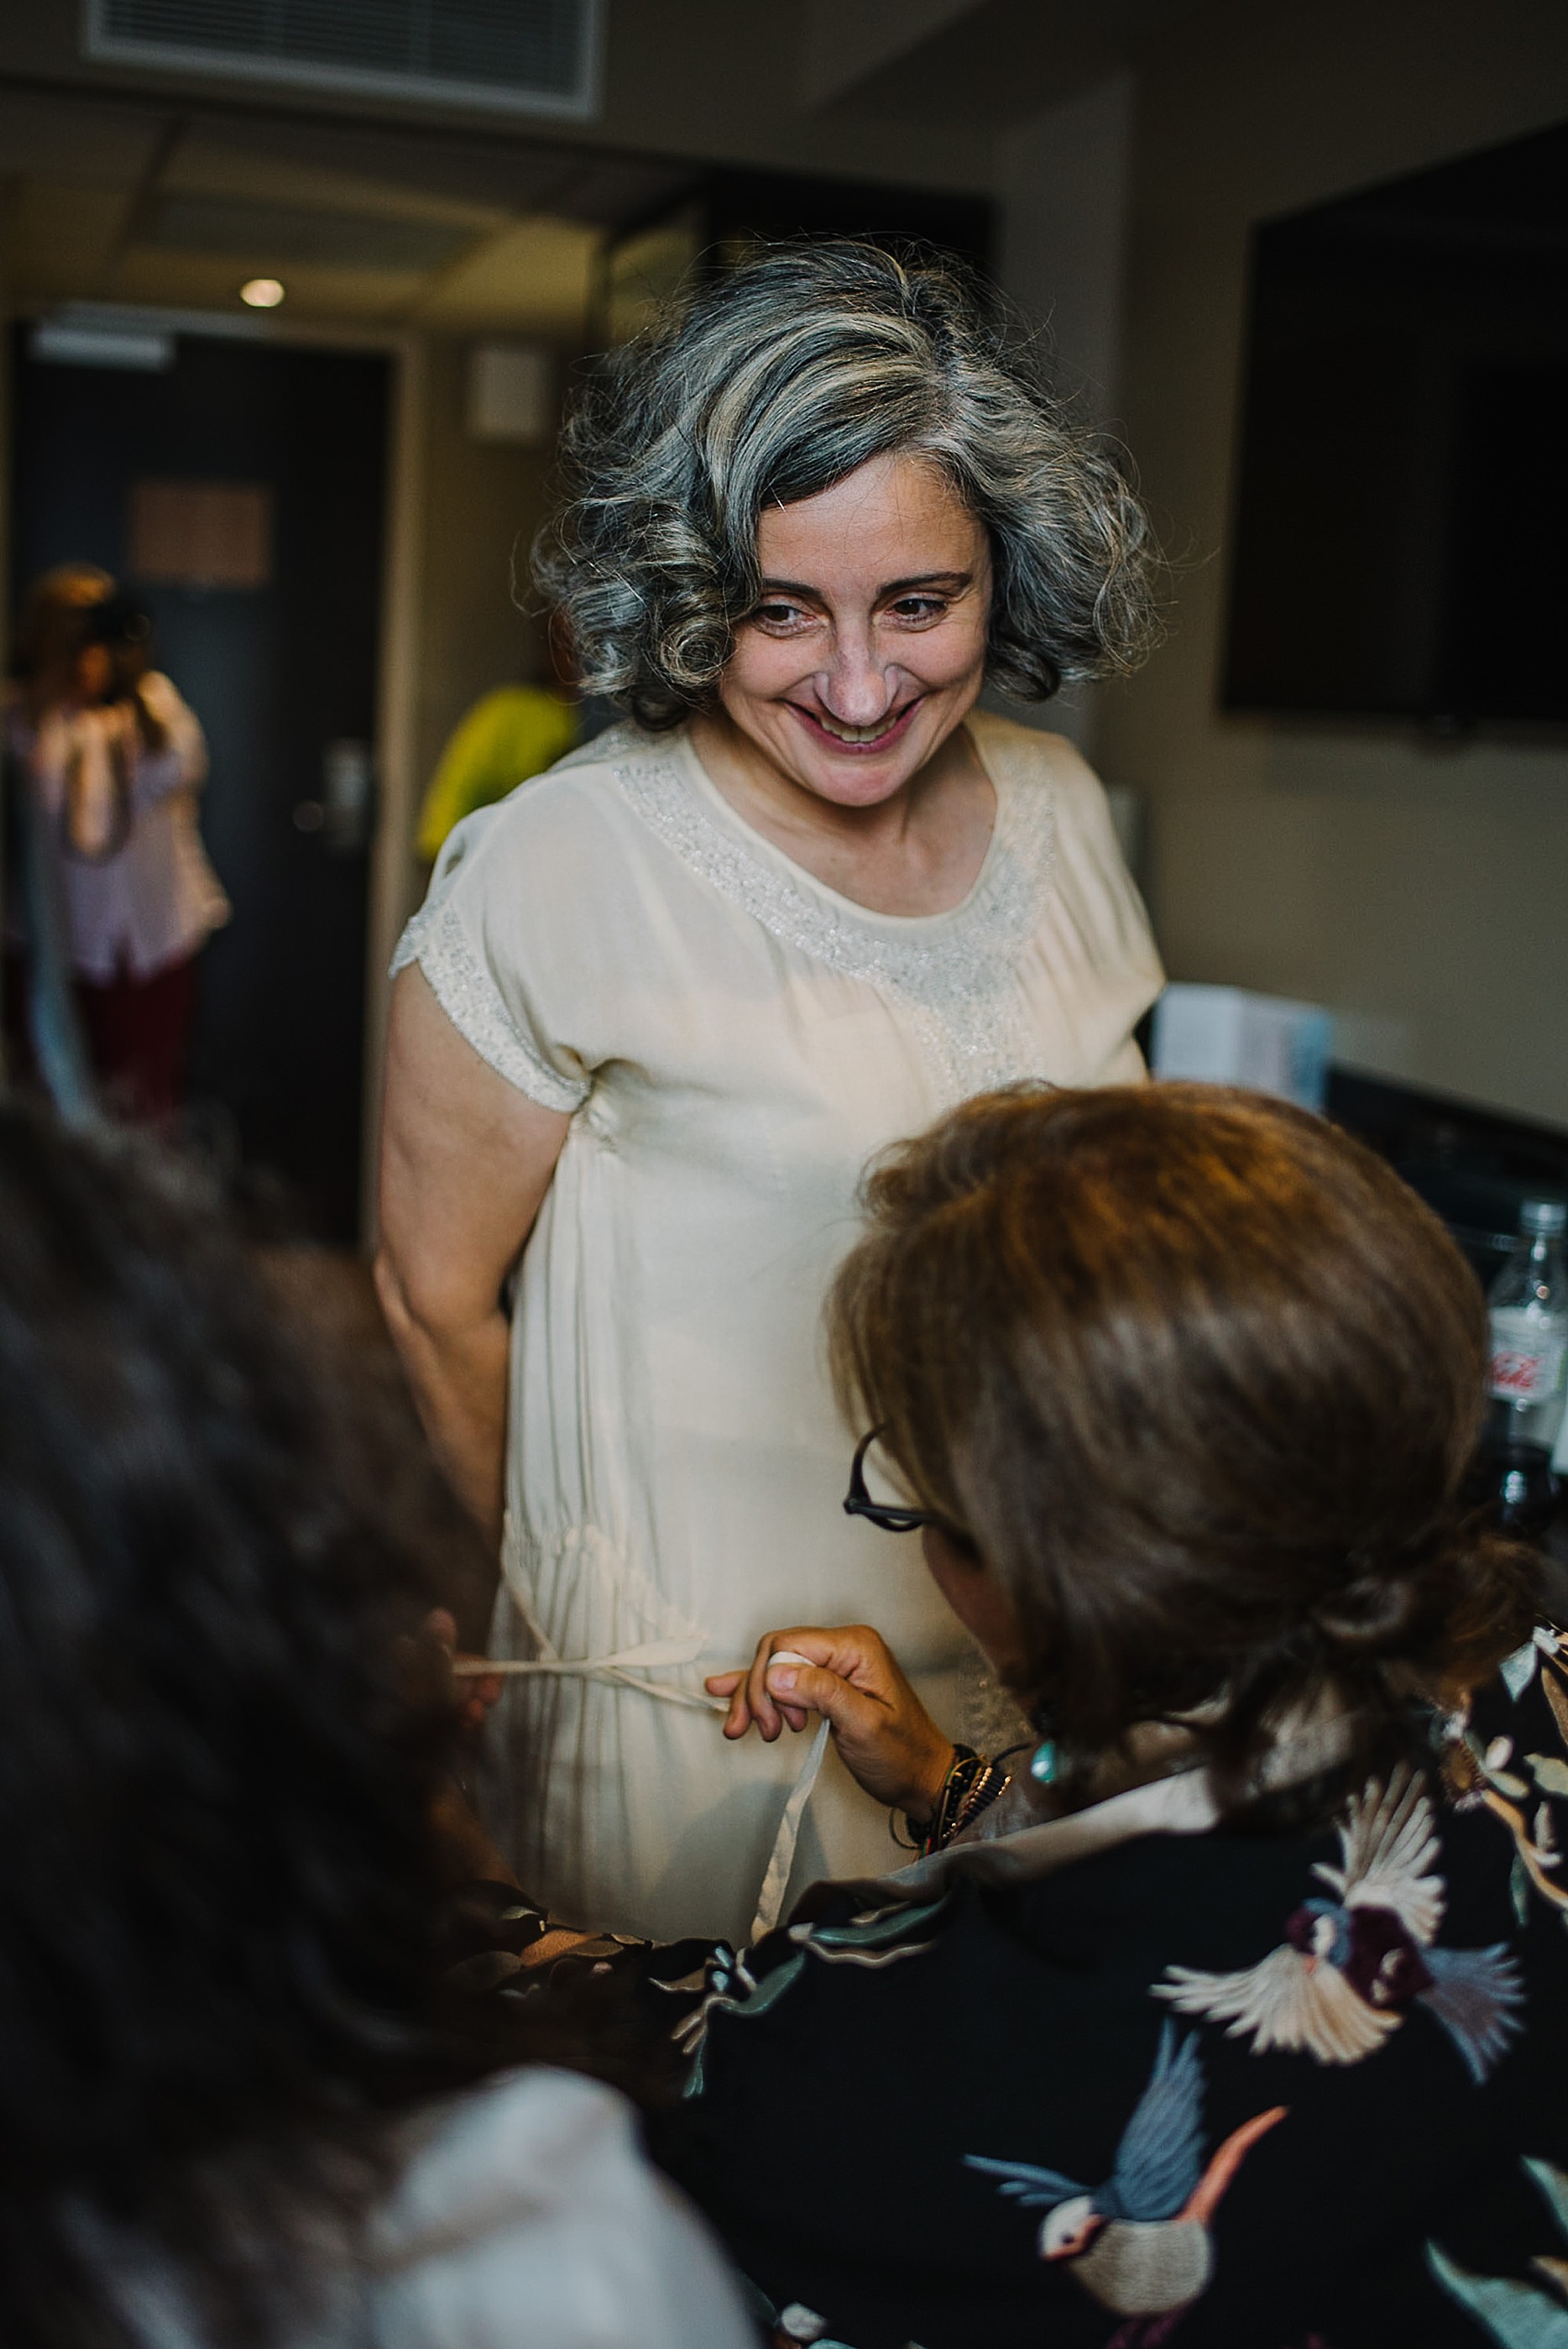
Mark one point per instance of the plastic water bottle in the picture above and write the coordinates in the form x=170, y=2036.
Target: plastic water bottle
x=1527, y=1306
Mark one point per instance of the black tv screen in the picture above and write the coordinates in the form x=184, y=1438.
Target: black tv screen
x=1400, y=537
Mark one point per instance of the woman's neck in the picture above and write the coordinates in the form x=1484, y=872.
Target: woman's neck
x=1311, y=1736
x=918, y=852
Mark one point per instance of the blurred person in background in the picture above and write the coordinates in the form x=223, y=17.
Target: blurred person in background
x=509, y=735
x=108, y=760
x=228, y=2111
x=39, y=1017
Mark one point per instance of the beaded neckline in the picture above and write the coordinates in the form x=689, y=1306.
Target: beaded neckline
x=952, y=973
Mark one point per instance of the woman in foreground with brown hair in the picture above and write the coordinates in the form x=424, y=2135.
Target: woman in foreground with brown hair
x=1238, y=2004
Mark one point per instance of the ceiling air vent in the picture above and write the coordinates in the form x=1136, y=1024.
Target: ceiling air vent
x=516, y=56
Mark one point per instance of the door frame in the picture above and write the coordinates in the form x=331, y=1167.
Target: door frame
x=390, y=883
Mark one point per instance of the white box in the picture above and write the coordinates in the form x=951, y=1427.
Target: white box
x=1227, y=1035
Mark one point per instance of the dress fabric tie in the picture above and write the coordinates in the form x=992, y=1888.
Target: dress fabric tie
x=623, y=1668
x=775, y=1876
x=626, y=1668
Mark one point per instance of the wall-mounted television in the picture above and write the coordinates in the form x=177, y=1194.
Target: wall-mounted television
x=1399, y=545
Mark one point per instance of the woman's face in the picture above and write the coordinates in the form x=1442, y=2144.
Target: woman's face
x=93, y=674
x=867, y=646
x=981, y=1604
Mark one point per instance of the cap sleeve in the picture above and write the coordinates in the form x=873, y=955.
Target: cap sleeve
x=1093, y=876
x=488, y=940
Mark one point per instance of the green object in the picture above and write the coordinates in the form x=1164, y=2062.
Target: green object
x=1044, y=1762
x=1519, y=1890
x=508, y=735
x=1515, y=2315
x=1553, y=2185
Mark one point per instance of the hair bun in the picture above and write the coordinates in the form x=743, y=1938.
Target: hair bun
x=1389, y=1589
x=1378, y=1607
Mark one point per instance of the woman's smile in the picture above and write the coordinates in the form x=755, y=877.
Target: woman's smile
x=856, y=741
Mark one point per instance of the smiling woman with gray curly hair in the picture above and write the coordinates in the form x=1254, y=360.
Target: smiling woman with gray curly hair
x=662, y=1005
x=776, y=384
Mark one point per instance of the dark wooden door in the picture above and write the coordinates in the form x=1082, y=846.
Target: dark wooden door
x=281, y=672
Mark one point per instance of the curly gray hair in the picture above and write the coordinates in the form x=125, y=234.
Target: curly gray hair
x=775, y=383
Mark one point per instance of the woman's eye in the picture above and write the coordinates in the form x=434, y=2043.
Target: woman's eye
x=918, y=608
x=777, y=615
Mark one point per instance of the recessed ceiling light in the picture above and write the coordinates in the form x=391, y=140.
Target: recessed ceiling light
x=262, y=293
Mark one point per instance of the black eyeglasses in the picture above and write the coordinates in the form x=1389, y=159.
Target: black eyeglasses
x=888, y=1514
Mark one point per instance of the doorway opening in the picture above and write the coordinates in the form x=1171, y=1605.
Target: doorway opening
x=240, y=493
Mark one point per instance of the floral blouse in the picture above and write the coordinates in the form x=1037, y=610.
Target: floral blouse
x=1138, y=2076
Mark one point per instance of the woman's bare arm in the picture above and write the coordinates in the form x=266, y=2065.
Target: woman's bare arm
x=466, y=1160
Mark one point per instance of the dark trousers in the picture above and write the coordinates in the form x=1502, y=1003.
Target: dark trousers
x=137, y=1032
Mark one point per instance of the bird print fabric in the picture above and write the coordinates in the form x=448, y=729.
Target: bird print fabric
x=1301, y=2084
x=1515, y=2314
x=1352, y=1964
x=1140, y=2243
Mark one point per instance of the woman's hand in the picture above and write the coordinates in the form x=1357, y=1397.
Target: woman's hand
x=888, y=1741
x=464, y=1853
x=474, y=1693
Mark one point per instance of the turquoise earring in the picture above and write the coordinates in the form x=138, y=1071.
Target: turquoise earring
x=1044, y=1762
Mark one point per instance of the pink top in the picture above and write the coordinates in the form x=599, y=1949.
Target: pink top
x=137, y=908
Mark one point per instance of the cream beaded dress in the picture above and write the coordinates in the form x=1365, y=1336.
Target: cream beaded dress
x=734, y=1039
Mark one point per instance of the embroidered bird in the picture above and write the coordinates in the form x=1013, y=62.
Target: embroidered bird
x=1140, y=2243
x=1350, y=1967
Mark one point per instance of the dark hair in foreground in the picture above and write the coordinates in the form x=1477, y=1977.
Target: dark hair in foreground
x=216, y=1874
x=1199, y=1377
x=796, y=367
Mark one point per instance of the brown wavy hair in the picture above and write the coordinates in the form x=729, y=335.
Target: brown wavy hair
x=1199, y=1379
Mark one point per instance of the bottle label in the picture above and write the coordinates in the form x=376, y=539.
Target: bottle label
x=1527, y=1357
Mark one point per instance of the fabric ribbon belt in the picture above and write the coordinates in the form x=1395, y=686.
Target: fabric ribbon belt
x=625, y=1668
x=775, y=1876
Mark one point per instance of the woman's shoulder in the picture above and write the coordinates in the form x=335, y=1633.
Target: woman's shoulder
x=1031, y=753
x=519, y=2146
x=579, y=807
x=528, y=2200
x=1025, y=758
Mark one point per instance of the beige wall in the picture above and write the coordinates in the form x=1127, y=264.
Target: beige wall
x=482, y=500
x=1062, y=188
x=1421, y=892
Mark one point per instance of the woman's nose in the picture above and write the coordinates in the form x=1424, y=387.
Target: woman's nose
x=857, y=687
